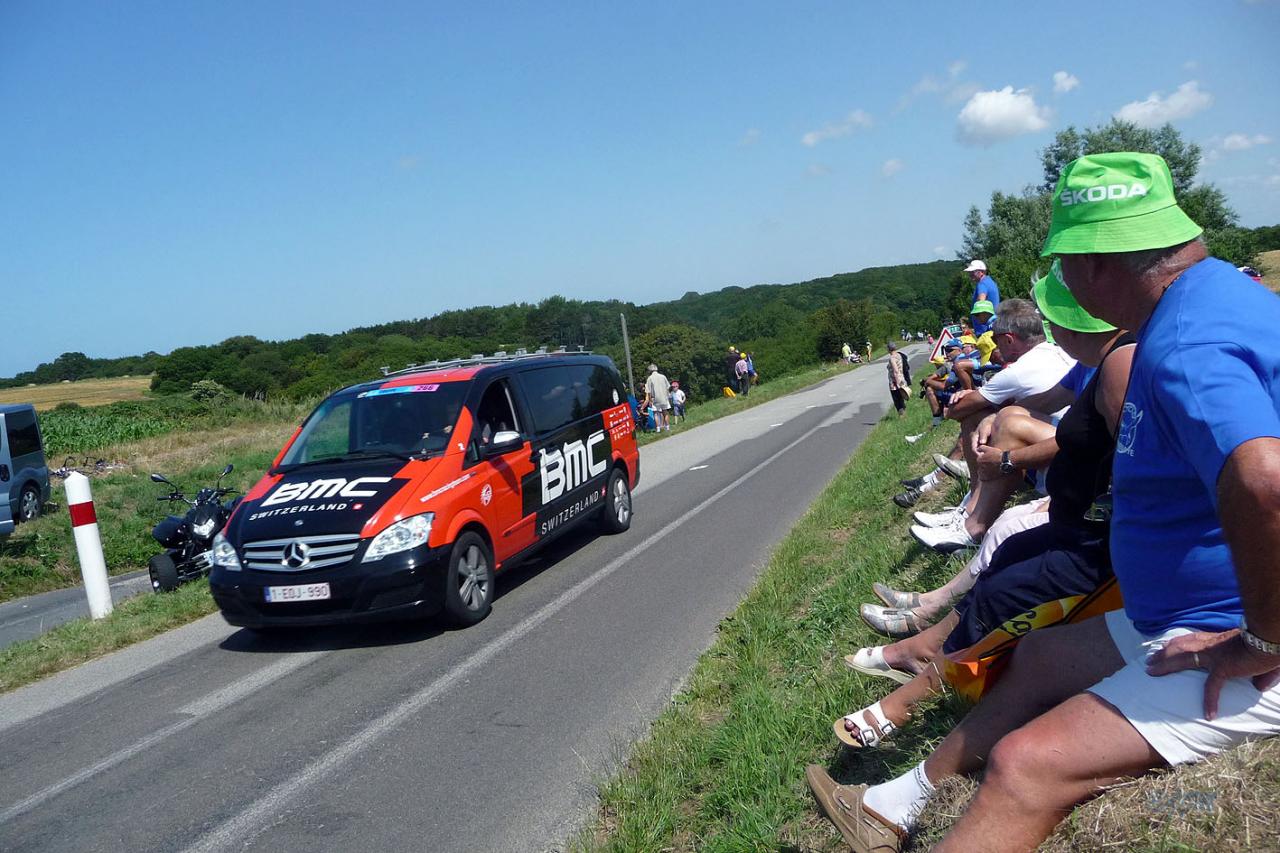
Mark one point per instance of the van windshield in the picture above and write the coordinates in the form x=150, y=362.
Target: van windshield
x=409, y=422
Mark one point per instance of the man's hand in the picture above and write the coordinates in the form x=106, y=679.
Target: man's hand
x=988, y=459
x=1224, y=656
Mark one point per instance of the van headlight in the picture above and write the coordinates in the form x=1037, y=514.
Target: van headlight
x=401, y=536
x=224, y=554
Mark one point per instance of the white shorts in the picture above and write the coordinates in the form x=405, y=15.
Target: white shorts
x=1013, y=520
x=1168, y=710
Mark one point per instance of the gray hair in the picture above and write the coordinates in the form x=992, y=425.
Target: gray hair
x=1018, y=317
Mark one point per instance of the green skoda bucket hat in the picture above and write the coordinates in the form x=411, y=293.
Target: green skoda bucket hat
x=982, y=306
x=1120, y=202
x=1059, y=307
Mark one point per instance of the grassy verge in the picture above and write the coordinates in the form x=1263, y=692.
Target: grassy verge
x=719, y=407
x=84, y=639
x=723, y=766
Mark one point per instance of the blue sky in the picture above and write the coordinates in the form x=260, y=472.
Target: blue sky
x=180, y=173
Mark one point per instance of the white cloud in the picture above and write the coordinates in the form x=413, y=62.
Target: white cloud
x=1190, y=65
x=994, y=116
x=1064, y=82
x=817, y=170
x=853, y=121
x=1187, y=100
x=1243, y=141
x=957, y=68
x=892, y=167
x=941, y=251
x=751, y=137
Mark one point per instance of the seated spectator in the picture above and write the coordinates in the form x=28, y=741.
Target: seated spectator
x=1035, y=367
x=1190, y=667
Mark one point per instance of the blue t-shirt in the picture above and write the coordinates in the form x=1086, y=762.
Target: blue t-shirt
x=1077, y=378
x=986, y=285
x=1204, y=381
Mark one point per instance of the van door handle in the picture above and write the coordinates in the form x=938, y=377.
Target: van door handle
x=533, y=457
x=4, y=473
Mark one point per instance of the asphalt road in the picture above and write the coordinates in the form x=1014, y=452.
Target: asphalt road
x=24, y=618
x=406, y=737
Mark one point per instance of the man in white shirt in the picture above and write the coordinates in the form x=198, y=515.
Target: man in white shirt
x=1035, y=367
x=657, y=390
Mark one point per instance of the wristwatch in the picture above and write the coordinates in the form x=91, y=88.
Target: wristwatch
x=1007, y=467
x=1256, y=643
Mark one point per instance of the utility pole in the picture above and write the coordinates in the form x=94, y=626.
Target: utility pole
x=626, y=345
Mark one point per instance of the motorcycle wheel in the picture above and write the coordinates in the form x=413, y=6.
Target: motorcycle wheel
x=164, y=573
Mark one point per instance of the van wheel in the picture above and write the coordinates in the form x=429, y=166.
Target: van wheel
x=164, y=573
x=616, y=515
x=468, y=594
x=29, y=503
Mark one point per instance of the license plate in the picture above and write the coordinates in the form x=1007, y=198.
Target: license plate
x=302, y=592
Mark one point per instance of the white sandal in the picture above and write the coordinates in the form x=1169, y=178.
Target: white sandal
x=864, y=735
x=870, y=661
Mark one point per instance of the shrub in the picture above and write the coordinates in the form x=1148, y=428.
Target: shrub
x=206, y=390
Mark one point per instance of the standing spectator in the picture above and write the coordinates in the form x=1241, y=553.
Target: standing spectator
x=867, y=346
x=730, y=367
x=985, y=288
x=899, y=384
x=677, y=401
x=741, y=375
x=751, y=368
x=658, y=391
x=846, y=352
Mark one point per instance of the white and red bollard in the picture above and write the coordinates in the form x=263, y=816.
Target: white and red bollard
x=84, y=524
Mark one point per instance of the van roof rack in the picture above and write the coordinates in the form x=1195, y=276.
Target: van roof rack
x=500, y=357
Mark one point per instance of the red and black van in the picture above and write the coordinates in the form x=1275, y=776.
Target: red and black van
x=407, y=495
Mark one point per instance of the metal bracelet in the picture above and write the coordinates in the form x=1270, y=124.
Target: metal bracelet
x=1256, y=643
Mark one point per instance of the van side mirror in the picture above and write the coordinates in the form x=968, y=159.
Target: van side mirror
x=504, y=441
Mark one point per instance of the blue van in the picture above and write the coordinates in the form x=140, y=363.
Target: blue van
x=24, y=473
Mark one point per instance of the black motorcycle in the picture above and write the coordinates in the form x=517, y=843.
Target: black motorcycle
x=188, y=539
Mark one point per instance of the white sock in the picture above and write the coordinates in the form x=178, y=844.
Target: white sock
x=901, y=800
x=931, y=479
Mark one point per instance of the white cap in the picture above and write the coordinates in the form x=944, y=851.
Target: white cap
x=976, y=264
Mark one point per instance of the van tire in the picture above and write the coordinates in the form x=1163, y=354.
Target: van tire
x=616, y=515
x=468, y=593
x=29, y=503
x=164, y=573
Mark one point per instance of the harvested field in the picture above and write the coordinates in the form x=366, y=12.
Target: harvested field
x=86, y=392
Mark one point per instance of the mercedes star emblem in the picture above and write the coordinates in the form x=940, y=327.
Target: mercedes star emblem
x=296, y=555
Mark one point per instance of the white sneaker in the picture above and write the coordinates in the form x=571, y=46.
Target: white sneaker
x=948, y=517
x=944, y=539
x=959, y=470
x=912, y=439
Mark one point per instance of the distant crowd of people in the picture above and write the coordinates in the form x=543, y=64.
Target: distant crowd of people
x=1126, y=617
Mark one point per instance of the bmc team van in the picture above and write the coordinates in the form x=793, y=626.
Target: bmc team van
x=407, y=495
x=24, y=473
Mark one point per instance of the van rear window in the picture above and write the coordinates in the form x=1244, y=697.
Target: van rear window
x=24, y=438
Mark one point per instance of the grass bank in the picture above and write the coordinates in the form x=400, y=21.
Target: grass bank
x=85, y=392
x=723, y=766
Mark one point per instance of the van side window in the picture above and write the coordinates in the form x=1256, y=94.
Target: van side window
x=557, y=395
x=24, y=438
x=606, y=392
x=495, y=412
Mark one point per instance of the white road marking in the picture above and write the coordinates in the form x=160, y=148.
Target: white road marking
x=196, y=710
x=699, y=467
x=777, y=424
x=268, y=806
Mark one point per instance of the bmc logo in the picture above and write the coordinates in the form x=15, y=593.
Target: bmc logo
x=1111, y=192
x=566, y=469
x=320, y=489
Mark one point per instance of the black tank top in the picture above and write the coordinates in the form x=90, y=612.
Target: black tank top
x=1081, y=470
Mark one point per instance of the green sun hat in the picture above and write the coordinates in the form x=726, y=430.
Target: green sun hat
x=982, y=306
x=1120, y=202
x=1059, y=307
